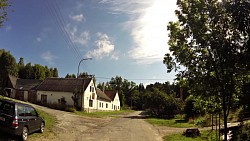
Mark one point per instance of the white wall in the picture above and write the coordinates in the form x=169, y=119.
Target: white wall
x=116, y=103
x=52, y=97
x=90, y=93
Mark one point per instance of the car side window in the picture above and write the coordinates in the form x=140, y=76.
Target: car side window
x=20, y=111
x=30, y=111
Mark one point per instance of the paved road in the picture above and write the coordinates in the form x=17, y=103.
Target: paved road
x=129, y=128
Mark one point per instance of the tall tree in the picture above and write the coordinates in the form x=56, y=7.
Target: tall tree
x=8, y=66
x=21, y=68
x=48, y=73
x=55, y=72
x=211, y=40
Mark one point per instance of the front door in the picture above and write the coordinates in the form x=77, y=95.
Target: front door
x=43, y=98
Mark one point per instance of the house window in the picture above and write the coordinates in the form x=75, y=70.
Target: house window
x=90, y=103
x=112, y=106
x=106, y=105
x=90, y=89
x=118, y=107
x=100, y=104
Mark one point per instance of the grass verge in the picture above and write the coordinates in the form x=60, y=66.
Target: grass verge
x=206, y=135
x=178, y=123
x=49, y=124
x=104, y=114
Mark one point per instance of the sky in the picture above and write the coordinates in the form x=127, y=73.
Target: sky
x=126, y=38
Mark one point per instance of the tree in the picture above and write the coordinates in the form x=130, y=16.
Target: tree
x=211, y=41
x=116, y=84
x=21, y=68
x=47, y=71
x=55, y=72
x=8, y=66
x=160, y=104
x=4, y=4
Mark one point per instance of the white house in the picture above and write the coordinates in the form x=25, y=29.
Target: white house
x=53, y=90
x=115, y=101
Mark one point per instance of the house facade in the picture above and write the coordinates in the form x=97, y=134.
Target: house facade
x=54, y=90
x=115, y=101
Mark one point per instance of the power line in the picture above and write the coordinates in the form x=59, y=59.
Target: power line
x=57, y=16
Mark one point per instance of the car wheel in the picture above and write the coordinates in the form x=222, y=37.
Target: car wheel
x=42, y=127
x=25, y=133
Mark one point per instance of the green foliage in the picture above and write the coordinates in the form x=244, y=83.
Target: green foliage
x=210, y=41
x=77, y=94
x=206, y=135
x=201, y=122
x=4, y=4
x=243, y=134
x=8, y=66
x=161, y=104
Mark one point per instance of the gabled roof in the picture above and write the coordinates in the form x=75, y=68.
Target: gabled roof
x=64, y=84
x=27, y=84
x=102, y=95
x=111, y=94
x=13, y=80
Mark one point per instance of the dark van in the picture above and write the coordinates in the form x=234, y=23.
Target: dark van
x=19, y=119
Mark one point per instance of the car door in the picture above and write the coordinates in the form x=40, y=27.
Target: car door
x=31, y=120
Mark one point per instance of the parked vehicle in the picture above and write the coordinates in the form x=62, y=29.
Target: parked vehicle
x=19, y=119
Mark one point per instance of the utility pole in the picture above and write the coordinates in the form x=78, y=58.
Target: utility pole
x=83, y=79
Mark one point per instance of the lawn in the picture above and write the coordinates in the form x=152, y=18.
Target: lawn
x=49, y=124
x=179, y=123
x=206, y=135
x=104, y=114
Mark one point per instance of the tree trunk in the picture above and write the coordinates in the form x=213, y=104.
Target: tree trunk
x=224, y=116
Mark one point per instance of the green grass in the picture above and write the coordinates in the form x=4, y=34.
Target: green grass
x=206, y=135
x=104, y=114
x=170, y=122
x=49, y=124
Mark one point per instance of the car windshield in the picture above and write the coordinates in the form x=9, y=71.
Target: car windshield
x=6, y=108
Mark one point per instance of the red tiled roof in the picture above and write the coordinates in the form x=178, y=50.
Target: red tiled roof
x=111, y=94
x=64, y=84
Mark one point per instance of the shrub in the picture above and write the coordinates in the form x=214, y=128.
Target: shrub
x=202, y=122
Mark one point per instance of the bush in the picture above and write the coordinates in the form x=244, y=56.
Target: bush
x=161, y=104
x=202, y=122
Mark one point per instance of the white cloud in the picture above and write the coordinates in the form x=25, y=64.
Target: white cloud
x=43, y=34
x=147, y=25
x=48, y=57
x=78, y=18
x=104, y=48
x=82, y=38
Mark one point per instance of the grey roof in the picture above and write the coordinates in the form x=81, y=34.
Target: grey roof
x=64, y=84
x=102, y=95
x=27, y=84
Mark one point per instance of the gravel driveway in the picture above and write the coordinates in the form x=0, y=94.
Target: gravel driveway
x=132, y=127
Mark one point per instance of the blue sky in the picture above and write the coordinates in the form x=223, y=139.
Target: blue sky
x=124, y=38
